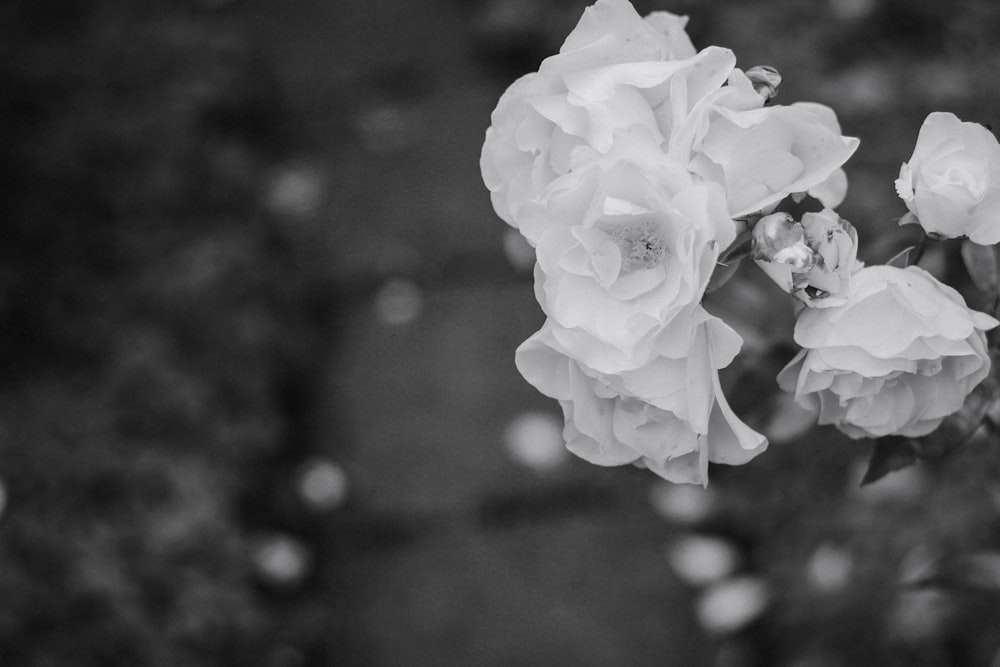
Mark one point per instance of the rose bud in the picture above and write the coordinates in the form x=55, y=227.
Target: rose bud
x=812, y=260
x=765, y=80
x=778, y=238
x=951, y=184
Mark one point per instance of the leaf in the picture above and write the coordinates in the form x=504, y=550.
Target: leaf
x=981, y=263
x=902, y=259
x=722, y=274
x=891, y=453
x=905, y=257
x=981, y=571
x=740, y=247
x=895, y=452
x=959, y=427
x=910, y=255
x=978, y=572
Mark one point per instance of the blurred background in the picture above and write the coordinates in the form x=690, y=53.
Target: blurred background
x=258, y=401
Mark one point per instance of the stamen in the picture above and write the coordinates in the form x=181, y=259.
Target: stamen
x=640, y=243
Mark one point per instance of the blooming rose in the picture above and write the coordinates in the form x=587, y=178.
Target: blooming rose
x=898, y=357
x=617, y=71
x=627, y=245
x=668, y=415
x=813, y=260
x=763, y=155
x=542, y=117
x=832, y=191
x=952, y=181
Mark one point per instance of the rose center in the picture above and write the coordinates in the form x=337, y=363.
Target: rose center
x=975, y=186
x=967, y=173
x=929, y=366
x=641, y=245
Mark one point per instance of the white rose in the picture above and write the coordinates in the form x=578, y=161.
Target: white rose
x=669, y=415
x=830, y=192
x=611, y=73
x=618, y=71
x=898, y=357
x=631, y=245
x=813, y=260
x=763, y=155
x=952, y=181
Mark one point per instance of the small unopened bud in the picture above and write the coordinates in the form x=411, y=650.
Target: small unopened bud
x=812, y=260
x=765, y=80
x=778, y=238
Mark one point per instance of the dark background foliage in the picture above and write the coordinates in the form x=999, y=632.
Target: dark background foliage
x=246, y=246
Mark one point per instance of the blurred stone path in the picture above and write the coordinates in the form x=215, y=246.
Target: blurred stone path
x=448, y=553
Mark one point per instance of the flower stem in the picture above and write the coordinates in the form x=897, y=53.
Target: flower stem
x=918, y=251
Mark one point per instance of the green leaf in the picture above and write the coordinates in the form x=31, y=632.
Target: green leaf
x=904, y=257
x=981, y=571
x=895, y=452
x=978, y=572
x=958, y=428
x=891, y=453
x=722, y=274
x=981, y=263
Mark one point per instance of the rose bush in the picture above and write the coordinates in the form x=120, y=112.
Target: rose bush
x=668, y=415
x=618, y=71
x=951, y=183
x=642, y=172
x=899, y=356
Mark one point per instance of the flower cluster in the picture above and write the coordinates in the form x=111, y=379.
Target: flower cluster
x=633, y=164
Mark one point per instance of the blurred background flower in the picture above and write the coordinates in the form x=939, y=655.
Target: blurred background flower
x=259, y=404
